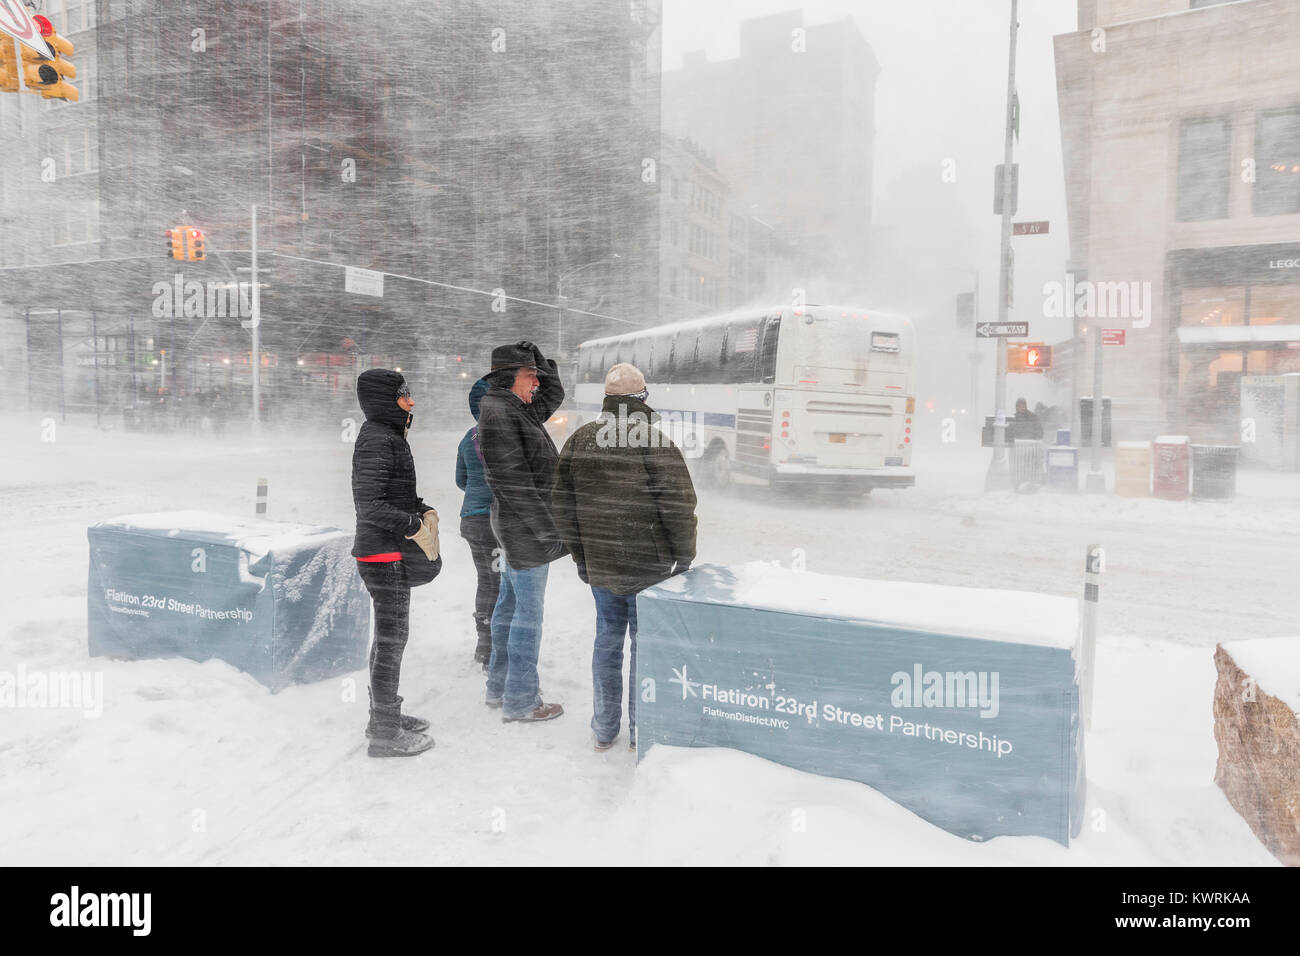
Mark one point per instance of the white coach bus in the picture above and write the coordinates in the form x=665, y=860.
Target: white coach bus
x=817, y=394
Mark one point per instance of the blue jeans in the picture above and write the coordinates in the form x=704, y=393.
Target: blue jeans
x=516, y=639
x=615, y=617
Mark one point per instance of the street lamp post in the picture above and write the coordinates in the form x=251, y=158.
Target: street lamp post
x=975, y=321
x=559, y=294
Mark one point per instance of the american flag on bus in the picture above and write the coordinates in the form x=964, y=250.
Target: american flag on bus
x=746, y=340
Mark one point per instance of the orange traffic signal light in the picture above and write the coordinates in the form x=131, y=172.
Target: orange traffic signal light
x=175, y=242
x=1028, y=357
x=47, y=76
x=197, y=251
x=8, y=65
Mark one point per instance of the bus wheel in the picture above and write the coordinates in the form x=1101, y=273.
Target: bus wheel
x=715, y=469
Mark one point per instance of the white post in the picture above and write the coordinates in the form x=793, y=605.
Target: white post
x=998, y=474
x=257, y=345
x=1094, y=564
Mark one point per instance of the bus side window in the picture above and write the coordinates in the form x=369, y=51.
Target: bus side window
x=769, y=335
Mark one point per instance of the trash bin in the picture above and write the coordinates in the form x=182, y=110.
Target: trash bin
x=1133, y=469
x=1170, y=466
x=1214, y=471
x=1027, y=463
x=1063, y=468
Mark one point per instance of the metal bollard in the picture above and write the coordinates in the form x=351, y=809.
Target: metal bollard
x=1094, y=564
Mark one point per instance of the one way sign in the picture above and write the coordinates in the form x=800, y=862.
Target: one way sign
x=1001, y=330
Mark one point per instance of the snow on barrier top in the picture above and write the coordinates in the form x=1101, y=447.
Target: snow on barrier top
x=1016, y=617
x=1274, y=663
x=961, y=704
x=257, y=536
x=278, y=600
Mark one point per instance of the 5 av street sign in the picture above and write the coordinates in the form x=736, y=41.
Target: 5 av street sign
x=1001, y=330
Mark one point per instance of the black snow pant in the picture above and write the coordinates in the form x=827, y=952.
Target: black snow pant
x=386, y=582
x=477, y=530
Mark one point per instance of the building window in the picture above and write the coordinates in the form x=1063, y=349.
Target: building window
x=1204, y=169
x=1277, y=163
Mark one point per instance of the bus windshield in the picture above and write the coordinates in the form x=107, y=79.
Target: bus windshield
x=836, y=351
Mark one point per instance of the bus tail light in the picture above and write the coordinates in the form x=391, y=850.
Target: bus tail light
x=911, y=405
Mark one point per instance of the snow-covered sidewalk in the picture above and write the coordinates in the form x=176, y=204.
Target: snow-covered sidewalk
x=198, y=763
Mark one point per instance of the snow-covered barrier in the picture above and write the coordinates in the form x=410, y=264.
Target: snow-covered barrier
x=1257, y=728
x=961, y=704
x=281, y=601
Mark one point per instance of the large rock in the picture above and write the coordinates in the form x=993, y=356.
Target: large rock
x=1258, y=735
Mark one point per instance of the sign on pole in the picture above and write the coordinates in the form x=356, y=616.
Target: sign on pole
x=1112, y=336
x=1001, y=330
x=1030, y=228
x=364, y=282
x=17, y=22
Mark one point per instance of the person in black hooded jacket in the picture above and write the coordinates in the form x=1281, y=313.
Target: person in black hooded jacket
x=388, y=510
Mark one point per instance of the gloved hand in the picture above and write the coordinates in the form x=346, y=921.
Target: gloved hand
x=538, y=359
x=427, y=535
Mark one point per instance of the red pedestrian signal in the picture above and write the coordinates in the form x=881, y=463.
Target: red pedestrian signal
x=1028, y=357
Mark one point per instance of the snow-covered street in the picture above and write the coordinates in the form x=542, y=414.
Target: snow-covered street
x=198, y=763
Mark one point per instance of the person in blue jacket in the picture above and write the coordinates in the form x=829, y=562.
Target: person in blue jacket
x=476, y=528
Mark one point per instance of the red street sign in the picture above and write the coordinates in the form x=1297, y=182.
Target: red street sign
x=1029, y=228
x=1112, y=336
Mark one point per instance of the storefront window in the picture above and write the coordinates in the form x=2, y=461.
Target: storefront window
x=1277, y=163
x=1275, y=305
x=1214, y=305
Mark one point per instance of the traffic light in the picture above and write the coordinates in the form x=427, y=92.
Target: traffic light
x=175, y=242
x=195, y=237
x=47, y=76
x=8, y=65
x=1028, y=357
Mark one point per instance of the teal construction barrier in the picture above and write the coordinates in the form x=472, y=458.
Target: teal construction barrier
x=961, y=704
x=280, y=601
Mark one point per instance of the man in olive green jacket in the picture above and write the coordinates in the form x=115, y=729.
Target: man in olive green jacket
x=624, y=504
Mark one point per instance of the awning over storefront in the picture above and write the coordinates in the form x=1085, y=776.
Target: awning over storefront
x=1243, y=335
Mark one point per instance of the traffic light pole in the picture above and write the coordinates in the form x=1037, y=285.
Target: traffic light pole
x=257, y=321
x=999, y=474
x=1096, y=481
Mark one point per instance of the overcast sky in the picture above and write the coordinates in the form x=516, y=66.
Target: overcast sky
x=941, y=93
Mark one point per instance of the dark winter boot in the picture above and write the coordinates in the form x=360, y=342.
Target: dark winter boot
x=405, y=721
x=406, y=744
x=483, y=650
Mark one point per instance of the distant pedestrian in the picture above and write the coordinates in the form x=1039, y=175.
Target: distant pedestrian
x=1026, y=423
x=388, y=511
x=519, y=464
x=625, y=505
x=476, y=527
